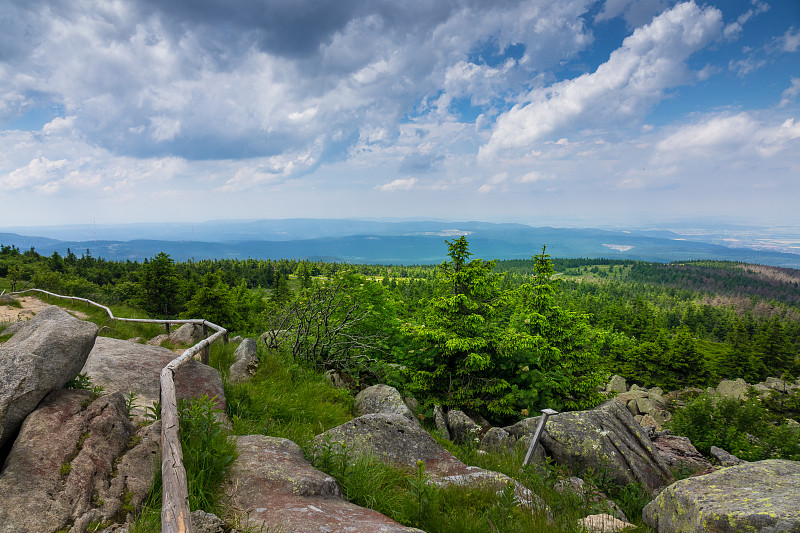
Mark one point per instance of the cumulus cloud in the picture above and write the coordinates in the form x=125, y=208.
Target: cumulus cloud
x=790, y=42
x=635, y=12
x=729, y=136
x=635, y=76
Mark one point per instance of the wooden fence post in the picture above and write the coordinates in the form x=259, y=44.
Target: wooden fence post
x=175, y=516
x=206, y=354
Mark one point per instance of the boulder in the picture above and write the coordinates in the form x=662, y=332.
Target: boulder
x=158, y=339
x=440, y=419
x=462, y=428
x=203, y=522
x=122, y=366
x=617, y=384
x=189, y=334
x=733, y=389
x=680, y=454
x=604, y=439
x=395, y=439
x=381, y=399
x=724, y=458
x=761, y=496
x=273, y=487
x=340, y=380
x=245, y=361
x=77, y=461
x=603, y=523
x=41, y=357
x=496, y=439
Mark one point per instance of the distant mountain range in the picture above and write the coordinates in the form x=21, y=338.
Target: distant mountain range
x=363, y=241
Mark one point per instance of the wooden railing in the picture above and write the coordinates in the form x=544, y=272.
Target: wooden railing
x=175, y=516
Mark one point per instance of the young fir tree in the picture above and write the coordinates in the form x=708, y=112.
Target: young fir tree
x=455, y=362
x=555, y=352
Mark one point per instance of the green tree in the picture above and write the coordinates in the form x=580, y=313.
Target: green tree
x=215, y=302
x=160, y=286
x=457, y=344
x=555, y=352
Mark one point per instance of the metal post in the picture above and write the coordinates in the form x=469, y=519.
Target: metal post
x=540, y=427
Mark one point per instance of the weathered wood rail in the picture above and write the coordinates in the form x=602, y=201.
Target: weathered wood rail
x=175, y=516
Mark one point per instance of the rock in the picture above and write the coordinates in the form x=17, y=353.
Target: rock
x=395, y=439
x=680, y=454
x=647, y=406
x=237, y=338
x=617, y=384
x=593, y=497
x=647, y=421
x=606, y=438
x=13, y=328
x=411, y=403
x=382, y=399
x=462, y=428
x=724, y=458
x=440, y=420
x=496, y=439
x=733, y=389
x=603, y=523
x=761, y=496
x=122, y=366
x=158, y=339
x=633, y=407
x=661, y=417
x=656, y=391
x=245, y=361
x=189, y=334
x=340, y=380
x=41, y=357
x=636, y=387
x=274, y=487
x=203, y=522
x=76, y=461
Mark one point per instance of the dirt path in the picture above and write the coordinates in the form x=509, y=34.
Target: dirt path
x=30, y=306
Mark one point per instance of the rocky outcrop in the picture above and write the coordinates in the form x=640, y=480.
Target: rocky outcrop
x=616, y=384
x=607, y=439
x=462, y=428
x=736, y=389
x=122, y=366
x=271, y=485
x=76, y=461
x=603, y=523
x=245, y=361
x=761, y=496
x=397, y=440
x=724, y=458
x=189, y=334
x=41, y=357
x=680, y=454
x=381, y=399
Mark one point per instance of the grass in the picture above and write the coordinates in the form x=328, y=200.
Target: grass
x=283, y=399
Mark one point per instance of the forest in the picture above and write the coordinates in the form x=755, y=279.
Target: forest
x=498, y=338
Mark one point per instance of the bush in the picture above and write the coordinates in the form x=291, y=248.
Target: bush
x=741, y=427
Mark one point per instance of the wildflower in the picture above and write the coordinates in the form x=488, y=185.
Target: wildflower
x=524, y=412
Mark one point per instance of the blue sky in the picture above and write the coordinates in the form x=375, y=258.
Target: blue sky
x=561, y=112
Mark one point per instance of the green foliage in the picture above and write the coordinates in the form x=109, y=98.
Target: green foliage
x=741, y=427
x=160, y=286
x=555, y=353
x=207, y=451
x=284, y=399
x=81, y=382
x=458, y=343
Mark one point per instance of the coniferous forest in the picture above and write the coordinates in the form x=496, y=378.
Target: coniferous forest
x=495, y=337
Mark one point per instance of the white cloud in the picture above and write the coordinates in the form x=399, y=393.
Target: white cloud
x=651, y=60
x=400, y=184
x=790, y=95
x=38, y=172
x=790, y=42
x=727, y=136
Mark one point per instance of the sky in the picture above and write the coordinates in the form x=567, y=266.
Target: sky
x=559, y=112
